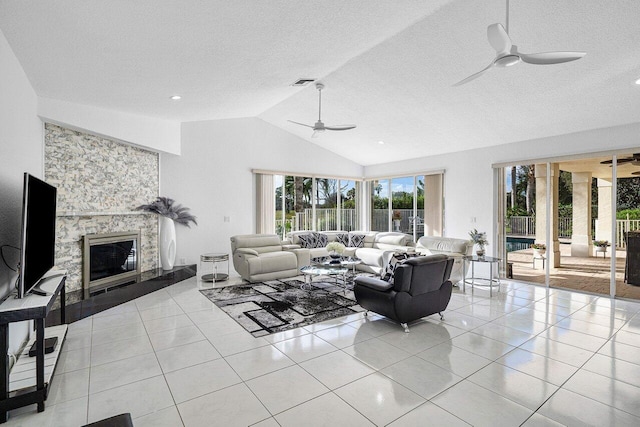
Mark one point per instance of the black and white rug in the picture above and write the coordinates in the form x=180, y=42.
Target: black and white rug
x=278, y=305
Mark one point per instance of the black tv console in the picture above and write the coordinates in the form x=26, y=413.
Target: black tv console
x=33, y=384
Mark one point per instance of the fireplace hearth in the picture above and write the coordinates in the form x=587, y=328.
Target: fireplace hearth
x=110, y=259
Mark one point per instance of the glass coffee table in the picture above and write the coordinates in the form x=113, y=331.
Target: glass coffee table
x=322, y=270
x=332, y=266
x=349, y=262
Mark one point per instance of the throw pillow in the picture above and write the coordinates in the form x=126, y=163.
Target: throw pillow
x=322, y=240
x=356, y=241
x=396, y=260
x=307, y=240
x=343, y=238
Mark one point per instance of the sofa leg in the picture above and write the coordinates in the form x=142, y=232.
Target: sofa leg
x=441, y=316
x=406, y=328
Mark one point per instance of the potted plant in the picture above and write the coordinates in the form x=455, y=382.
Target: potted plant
x=539, y=249
x=601, y=245
x=169, y=213
x=480, y=239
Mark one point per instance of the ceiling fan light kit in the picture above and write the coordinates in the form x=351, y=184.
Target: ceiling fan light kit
x=507, y=53
x=319, y=126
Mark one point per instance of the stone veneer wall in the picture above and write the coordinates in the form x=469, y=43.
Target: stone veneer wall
x=100, y=183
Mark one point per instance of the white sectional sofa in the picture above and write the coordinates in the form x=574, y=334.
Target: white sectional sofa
x=455, y=248
x=259, y=257
x=375, y=251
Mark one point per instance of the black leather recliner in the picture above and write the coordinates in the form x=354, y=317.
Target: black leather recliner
x=420, y=287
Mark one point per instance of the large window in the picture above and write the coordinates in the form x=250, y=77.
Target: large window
x=315, y=203
x=410, y=204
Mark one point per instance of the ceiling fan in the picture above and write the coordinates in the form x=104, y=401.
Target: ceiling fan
x=634, y=160
x=507, y=53
x=319, y=126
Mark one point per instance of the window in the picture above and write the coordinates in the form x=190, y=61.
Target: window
x=410, y=204
x=308, y=203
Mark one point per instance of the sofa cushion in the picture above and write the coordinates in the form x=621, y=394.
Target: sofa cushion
x=356, y=240
x=343, y=238
x=273, y=261
x=444, y=245
x=307, y=240
x=322, y=240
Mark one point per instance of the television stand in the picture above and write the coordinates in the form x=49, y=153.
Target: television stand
x=37, y=291
x=27, y=384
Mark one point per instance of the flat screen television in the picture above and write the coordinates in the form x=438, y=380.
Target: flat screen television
x=37, y=251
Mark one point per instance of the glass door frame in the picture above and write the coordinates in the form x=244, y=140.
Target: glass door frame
x=500, y=205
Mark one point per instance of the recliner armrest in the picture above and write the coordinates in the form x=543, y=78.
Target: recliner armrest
x=373, y=283
x=303, y=255
x=247, y=251
x=290, y=247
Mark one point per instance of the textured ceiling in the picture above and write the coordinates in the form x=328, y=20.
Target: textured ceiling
x=388, y=66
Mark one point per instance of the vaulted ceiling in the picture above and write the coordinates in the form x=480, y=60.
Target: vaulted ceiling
x=388, y=66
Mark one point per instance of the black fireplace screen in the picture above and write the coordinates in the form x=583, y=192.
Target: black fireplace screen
x=110, y=259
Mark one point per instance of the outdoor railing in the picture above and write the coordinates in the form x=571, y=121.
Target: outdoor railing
x=525, y=226
x=622, y=226
x=327, y=219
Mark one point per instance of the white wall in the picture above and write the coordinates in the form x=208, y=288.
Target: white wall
x=469, y=175
x=147, y=132
x=21, y=151
x=213, y=176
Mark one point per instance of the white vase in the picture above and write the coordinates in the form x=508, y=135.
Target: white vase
x=167, y=242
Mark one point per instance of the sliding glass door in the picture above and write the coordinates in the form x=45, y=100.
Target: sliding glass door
x=570, y=223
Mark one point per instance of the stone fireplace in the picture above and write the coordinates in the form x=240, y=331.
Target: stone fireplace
x=100, y=184
x=110, y=259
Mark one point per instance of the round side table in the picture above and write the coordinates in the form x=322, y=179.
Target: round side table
x=215, y=259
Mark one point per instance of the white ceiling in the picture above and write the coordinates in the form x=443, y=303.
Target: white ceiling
x=388, y=66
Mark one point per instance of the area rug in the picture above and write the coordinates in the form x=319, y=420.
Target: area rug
x=278, y=305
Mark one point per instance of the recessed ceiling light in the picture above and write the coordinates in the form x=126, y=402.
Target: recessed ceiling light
x=638, y=82
x=381, y=142
x=176, y=97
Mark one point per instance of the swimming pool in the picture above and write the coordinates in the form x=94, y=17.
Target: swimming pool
x=518, y=243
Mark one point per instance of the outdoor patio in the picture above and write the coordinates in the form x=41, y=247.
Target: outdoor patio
x=588, y=274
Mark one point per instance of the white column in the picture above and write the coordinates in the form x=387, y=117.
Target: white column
x=581, y=224
x=553, y=251
x=605, y=216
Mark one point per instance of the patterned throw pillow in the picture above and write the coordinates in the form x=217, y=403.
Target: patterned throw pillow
x=321, y=240
x=356, y=241
x=396, y=260
x=343, y=238
x=307, y=240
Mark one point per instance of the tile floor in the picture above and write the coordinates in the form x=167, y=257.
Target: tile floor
x=528, y=356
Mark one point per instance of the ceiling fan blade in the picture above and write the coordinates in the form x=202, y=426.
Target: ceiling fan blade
x=498, y=38
x=340, y=127
x=619, y=161
x=548, y=58
x=301, y=124
x=474, y=76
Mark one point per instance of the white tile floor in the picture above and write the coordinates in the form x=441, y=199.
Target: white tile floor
x=528, y=356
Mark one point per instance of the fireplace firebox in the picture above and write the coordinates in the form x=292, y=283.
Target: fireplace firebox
x=109, y=260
